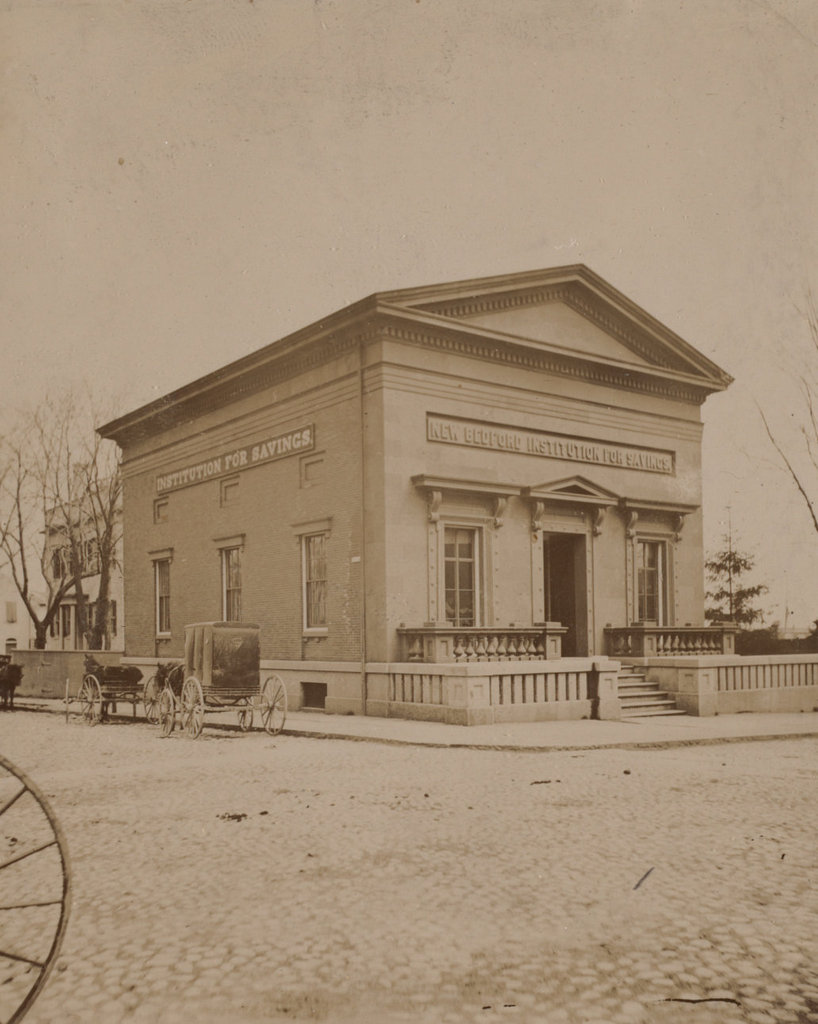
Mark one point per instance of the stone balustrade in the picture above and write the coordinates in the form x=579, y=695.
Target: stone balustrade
x=645, y=640
x=731, y=685
x=442, y=644
x=482, y=693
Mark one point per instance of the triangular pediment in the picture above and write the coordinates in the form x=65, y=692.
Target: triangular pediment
x=576, y=488
x=567, y=311
x=555, y=323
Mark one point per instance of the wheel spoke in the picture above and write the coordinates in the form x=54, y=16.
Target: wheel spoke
x=22, y=959
x=12, y=800
x=28, y=853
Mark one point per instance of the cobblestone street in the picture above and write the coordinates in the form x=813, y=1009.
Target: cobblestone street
x=244, y=878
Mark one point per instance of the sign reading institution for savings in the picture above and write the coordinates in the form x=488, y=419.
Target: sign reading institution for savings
x=473, y=434
x=217, y=464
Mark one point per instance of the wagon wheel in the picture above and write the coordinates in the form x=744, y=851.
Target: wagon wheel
x=166, y=713
x=90, y=697
x=246, y=713
x=35, y=891
x=150, y=698
x=192, y=713
x=273, y=704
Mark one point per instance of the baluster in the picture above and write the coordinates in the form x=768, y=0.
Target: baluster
x=512, y=648
x=416, y=647
x=458, y=650
x=502, y=647
x=468, y=643
x=491, y=648
x=480, y=647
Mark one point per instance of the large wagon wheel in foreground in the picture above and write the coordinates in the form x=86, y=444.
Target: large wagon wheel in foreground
x=35, y=891
x=273, y=705
x=192, y=713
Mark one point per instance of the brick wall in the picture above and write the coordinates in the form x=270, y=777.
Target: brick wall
x=265, y=513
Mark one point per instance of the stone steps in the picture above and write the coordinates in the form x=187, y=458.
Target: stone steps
x=640, y=699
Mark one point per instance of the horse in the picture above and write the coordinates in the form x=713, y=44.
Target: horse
x=10, y=678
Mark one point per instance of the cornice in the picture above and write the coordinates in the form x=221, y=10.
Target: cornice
x=676, y=371
x=643, y=379
x=216, y=392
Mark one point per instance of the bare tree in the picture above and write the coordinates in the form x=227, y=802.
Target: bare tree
x=59, y=514
x=802, y=465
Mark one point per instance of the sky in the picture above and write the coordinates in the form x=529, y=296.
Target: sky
x=185, y=182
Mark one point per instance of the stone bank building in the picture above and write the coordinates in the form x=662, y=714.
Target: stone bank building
x=468, y=502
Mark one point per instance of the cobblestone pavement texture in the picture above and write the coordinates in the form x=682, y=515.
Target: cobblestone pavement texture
x=247, y=878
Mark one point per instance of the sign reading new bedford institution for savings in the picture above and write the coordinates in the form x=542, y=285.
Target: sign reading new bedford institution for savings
x=472, y=434
x=267, y=450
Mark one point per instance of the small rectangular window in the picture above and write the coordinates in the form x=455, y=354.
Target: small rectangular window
x=112, y=614
x=162, y=583
x=312, y=470
x=160, y=510
x=65, y=621
x=314, y=575
x=11, y=611
x=231, y=584
x=314, y=696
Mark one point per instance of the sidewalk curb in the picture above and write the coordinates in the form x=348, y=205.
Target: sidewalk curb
x=58, y=708
x=706, y=741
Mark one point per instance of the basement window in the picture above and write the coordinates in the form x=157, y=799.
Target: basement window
x=313, y=696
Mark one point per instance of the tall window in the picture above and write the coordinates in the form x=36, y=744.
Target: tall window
x=314, y=574
x=65, y=622
x=162, y=571
x=231, y=584
x=651, y=571
x=461, y=576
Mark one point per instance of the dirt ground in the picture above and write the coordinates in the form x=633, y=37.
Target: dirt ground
x=247, y=878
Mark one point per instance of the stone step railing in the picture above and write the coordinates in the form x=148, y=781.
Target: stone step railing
x=649, y=641
x=436, y=644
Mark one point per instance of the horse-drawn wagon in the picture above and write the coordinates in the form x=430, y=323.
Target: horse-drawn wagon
x=103, y=686
x=221, y=672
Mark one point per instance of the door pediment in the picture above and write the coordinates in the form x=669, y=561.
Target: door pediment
x=578, y=489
